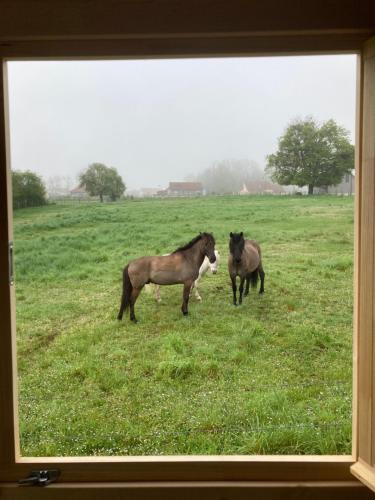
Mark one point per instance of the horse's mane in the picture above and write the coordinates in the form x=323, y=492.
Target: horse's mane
x=192, y=242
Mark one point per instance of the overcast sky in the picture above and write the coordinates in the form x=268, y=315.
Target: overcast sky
x=159, y=120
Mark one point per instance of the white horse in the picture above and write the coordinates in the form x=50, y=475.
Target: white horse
x=206, y=265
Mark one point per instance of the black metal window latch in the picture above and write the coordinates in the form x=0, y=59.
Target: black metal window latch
x=40, y=478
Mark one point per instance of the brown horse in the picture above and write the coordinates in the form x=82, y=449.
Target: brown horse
x=181, y=266
x=245, y=261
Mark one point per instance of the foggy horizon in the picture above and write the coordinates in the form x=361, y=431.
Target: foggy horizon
x=166, y=120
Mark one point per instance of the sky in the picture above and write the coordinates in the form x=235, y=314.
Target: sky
x=163, y=120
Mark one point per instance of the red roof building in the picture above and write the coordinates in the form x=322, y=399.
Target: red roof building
x=79, y=192
x=184, y=189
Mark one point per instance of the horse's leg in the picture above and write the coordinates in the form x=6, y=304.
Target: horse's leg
x=185, y=297
x=133, y=298
x=241, y=288
x=157, y=293
x=234, y=289
x=247, y=285
x=262, y=275
x=195, y=286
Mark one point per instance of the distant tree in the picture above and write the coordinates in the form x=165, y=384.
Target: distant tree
x=100, y=180
x=229, y=176
x=58, y=185
x=116, y=186
x=312, y=155
x=28, y=189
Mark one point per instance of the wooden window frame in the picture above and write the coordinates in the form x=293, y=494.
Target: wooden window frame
x=286, y=469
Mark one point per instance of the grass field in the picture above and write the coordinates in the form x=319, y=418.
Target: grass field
x=272, y=376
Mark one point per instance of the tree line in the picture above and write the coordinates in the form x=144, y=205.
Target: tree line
x=312, y=155
x=99, y=180
x=28, y=190
x=229, y=176
x=308, y=154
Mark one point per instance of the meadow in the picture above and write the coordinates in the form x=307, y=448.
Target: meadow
x=272, y=376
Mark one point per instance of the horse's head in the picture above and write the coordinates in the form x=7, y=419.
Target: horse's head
x=209, y=246
x=215, y=264
x=236, y=246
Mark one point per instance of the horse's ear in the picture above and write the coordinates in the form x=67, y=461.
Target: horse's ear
x=231, y=234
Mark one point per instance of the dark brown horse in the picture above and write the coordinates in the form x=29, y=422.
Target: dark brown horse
x=181, y=266
x=245, y=261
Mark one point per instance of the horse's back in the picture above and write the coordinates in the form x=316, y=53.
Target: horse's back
x=141, y=269
x=161, y=269
x=252, y=255
x=256, y=245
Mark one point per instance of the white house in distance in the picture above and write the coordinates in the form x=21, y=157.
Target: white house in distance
x=142, y=192
x=261, y=186
x=148, y=192
x=345, y=187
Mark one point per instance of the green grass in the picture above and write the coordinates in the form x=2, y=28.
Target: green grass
x=272, y=376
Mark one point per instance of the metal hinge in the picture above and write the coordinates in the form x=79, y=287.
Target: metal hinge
x=40, y=478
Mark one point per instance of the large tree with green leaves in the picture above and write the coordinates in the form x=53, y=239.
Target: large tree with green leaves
x=312, y=155
x=100, y=180
x=28, y=189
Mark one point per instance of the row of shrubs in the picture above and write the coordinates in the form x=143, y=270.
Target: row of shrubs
x=28, y=190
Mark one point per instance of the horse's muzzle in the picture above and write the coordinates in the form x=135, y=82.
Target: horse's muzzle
x=214, y=271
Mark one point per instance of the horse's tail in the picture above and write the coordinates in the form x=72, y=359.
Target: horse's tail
x=253, y=277
x=127, y=288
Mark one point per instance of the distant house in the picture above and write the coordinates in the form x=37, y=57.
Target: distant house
x=57, y=191
x=244, y=189
x=261, y=186
x=79, y=193
x=182, y=189
x=148, y=192
x=161, y=192
x=346, y=185
x=133, y=193
x=142, y=192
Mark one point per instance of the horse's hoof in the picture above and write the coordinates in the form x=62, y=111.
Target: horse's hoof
x=185, y=313
x=261, y=291
x=199, y=298
x=134, y=320
x=119, y=318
